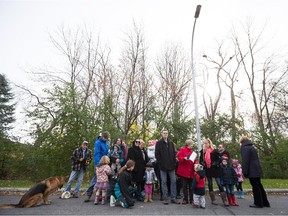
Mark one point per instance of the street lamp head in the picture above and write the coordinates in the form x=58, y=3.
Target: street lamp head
x=197, y=12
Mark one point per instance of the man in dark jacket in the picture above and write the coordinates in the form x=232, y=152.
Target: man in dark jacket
x=165, y=154
x=251, y=169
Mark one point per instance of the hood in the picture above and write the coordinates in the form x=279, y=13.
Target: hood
x=201, y=173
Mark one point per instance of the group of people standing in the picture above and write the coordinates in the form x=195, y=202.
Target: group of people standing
x=122, y=174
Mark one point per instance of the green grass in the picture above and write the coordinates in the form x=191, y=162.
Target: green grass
x=28, y=184
x=267, y=183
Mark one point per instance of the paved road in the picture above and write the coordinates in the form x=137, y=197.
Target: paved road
x=73, y=206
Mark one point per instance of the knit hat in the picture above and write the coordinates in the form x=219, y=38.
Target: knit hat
x=235, y=161
x=225, y=156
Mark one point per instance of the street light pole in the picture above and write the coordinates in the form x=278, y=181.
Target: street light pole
x=197, y=12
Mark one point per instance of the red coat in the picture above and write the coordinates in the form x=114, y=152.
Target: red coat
x=185, y=167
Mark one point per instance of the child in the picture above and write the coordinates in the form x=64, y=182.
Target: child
x=228, y=180
x=116, y=155
x=198, y=186
x=238, y=169
x=122, y=189
x=102, y=172
x=115, y=167
x=150, y=178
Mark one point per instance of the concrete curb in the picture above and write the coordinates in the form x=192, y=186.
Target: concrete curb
x=3, y=189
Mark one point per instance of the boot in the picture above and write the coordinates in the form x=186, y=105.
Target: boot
x=150, y=198
x=230, y=200
x=239, y=194
x=87, y=199
x=242, y=195
x=224, y=199
x=146, y=198
x=96, y=200
x=103, y=200
x=234, y=201
x=212, y=197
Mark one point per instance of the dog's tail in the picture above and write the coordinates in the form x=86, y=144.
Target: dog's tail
x=7, y=206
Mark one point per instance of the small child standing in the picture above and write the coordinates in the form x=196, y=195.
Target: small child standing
x=238, y=169
x=229, y=180
x=150, y=178
x=102, y=172
x=198, y=186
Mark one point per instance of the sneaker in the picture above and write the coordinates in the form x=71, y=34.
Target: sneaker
x=87, y=199
x=112, y=201
x=175, y=201
x=103, y=201
x=96, y=202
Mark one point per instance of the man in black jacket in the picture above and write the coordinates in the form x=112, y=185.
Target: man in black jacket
x=165, y=154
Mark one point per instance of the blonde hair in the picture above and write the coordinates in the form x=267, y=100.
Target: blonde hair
x=211, y=145
x=189, y=142
x=243, y=138
x=129, y=164
x=104, y=160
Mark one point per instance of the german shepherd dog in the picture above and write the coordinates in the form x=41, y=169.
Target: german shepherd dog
x=39, y=191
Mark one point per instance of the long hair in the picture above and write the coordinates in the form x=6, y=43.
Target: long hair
x=129, y=164
x=104, y=160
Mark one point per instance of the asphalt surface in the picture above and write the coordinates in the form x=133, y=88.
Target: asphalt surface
x=76, y=206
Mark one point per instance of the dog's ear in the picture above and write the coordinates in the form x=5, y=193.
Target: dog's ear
x=66, y=178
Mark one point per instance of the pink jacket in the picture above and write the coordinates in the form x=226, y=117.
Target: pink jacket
x=239, y=173
x=102, y=173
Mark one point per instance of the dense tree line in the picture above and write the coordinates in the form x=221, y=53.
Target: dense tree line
x=137, y=98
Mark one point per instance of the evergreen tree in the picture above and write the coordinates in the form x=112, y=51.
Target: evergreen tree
x=6, y=106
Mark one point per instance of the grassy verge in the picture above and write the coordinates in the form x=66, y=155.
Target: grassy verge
x=267, y=183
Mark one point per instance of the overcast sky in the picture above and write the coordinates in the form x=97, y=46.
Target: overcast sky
x=25, y=25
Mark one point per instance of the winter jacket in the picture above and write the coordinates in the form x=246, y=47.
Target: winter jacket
x=185, y=167
x=101, y=148
x=198, y=184
x=239, y=173
x=251, y=167
x=215, y=170
x=165, y=154
x=228, y=175
x=135, y=154
x=102, y=173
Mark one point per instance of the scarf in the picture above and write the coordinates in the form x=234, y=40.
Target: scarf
x=207, y=157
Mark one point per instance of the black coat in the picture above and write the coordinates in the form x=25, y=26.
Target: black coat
x=135, y=154
x=215, y=170
x=228, y=175
x=165, y=154
x=251, y=167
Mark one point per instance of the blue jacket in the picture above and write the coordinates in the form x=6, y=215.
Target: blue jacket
x=101, y=148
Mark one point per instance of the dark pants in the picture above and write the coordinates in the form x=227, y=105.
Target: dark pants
x=259, y=194
x=187, y=189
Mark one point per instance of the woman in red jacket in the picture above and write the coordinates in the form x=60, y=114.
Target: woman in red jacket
x=186, y=170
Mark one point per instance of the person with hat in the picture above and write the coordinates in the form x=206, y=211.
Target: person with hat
x=81, y=159
x=238, y=169
x=150, y=178
x=228, y=180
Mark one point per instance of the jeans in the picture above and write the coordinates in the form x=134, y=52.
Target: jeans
x=210, y=184
x=229, y=189
x=164, y=187
x=90, y=189
x=80, y=173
